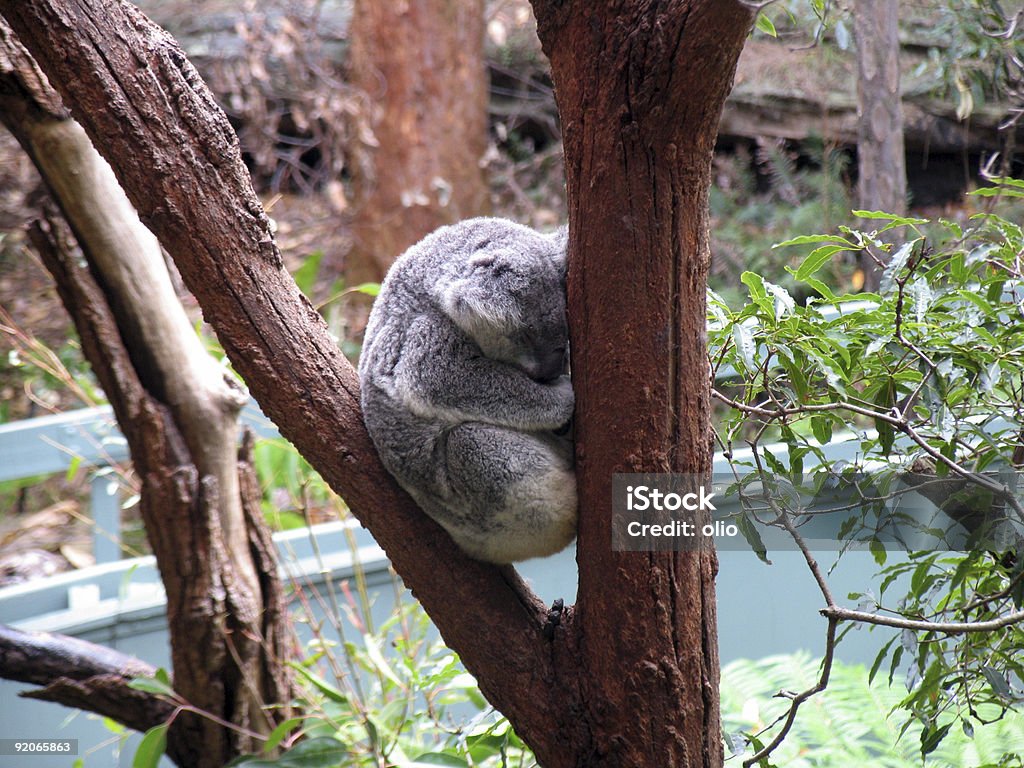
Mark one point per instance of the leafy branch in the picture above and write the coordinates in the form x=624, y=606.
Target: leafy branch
x=926, y=378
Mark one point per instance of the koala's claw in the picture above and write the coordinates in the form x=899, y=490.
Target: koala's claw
x=554, y=619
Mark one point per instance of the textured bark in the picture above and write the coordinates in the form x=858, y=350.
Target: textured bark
x=228, y=645
x=98, y=676
x=881, y=161
x=229, y=633
x=640, y=89
x=422, y=65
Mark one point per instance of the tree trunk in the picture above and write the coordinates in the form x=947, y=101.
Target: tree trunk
x=881, y=161
x=422, y=65
x=178, y=410
x=630, y=676
x=640, y=90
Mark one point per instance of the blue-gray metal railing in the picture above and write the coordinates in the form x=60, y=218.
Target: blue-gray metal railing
x=90, y=437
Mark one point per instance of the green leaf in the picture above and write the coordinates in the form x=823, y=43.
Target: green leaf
x=890, y=217
x=875, y=346
x=812, y=240
x=895, y=266
x=997, y=681
x=885, y=399
x=746, y=346
x=320, y=752
x=1007, y=191
x=332, y=693
x=764, y=24
x=773, y=463
x=880, y=658
x=753, y=538
x=370, y=289
x=379, y=662
x=113, y=726
x=990, y=376
x=305, y=276
x=783, y=302
x=439, y=758
x=896, y=658
x=820, y=287
x=821, y=428
x=918, y=582
x=834, y=374
x=754, y=283
x=922, y=294
x=283, y=729
x=877, y=550
x=151, y=748
x=152, y=685
x=817, y=259
x=931, y=737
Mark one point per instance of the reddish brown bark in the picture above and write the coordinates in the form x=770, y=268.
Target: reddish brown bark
x=640, y=90
x=422, y=66
x=149, y=113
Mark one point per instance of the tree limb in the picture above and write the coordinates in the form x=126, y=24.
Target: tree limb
x=944, y=627
x=81, y=674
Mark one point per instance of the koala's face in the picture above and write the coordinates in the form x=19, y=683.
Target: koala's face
x=510, y=299
x=537, y=341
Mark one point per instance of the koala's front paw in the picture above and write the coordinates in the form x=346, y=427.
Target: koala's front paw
x=564, y=401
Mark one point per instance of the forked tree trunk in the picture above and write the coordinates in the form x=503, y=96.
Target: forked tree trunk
x=422, y=66
x=630, y=677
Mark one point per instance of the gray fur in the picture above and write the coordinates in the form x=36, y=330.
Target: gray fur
x=465, y=389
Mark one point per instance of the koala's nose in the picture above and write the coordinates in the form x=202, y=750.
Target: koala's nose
x=553, y=364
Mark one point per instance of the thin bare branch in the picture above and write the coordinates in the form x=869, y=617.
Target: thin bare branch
x=800, y=698
x=943, y=627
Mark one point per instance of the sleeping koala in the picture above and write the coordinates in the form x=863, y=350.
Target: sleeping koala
x=465, y=389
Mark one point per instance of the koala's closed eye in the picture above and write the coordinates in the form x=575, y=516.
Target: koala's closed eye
x=464, y=389
x=481, y=259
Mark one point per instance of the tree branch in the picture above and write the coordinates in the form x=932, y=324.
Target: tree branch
x=79, y=674
x=797, y=699
x=943, y=627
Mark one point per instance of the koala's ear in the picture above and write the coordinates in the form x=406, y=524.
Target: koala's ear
x=561, y=239
x=474, y=305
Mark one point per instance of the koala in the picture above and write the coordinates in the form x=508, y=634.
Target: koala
x=465, y=386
